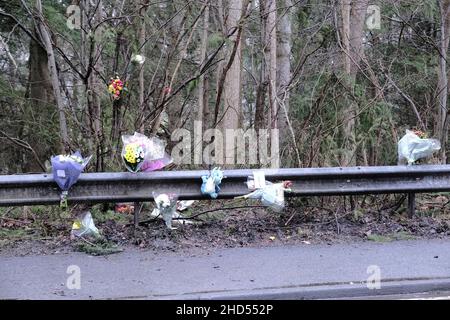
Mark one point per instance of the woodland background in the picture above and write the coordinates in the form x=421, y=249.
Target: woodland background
x=341, y=93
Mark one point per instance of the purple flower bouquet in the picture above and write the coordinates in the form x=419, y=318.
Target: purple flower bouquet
x=66, y=170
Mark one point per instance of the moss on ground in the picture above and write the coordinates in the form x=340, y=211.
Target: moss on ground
x=97, y=247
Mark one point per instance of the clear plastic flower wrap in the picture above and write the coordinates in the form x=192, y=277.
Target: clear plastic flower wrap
x=411, y=147
x=184, y=204
x=84, y=227
x=176, y=214
x=271, y=195
x=66, y=170
x=166, y=206
x=152, y=165
x=141, y=153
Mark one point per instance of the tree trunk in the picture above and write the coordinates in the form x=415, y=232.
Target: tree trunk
x=232, y=114
x=261, y=90
x=271, y=60
x=357, y=20
x=441, y=112
x=41, y=102
x=202, y=92
x=40, y=90
x=141, y=42
x=93, y=90
x=284, y=64
x=45, y=38
x=345, y=7
x=174, y=107
x=353, y=15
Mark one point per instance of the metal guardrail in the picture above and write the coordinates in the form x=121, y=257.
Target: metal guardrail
x=34, y=189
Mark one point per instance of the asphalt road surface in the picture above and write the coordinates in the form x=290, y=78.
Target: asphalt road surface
x=406, y=269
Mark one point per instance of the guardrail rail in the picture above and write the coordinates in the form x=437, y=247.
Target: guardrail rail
x=40, y=189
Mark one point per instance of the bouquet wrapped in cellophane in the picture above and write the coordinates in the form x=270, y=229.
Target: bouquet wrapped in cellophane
x=166, y=207
x=66, y=170
x=271, y=195
x=414, y=145
x=141, y=153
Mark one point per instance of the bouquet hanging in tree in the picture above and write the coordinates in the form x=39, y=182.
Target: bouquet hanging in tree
x=137, y=59
x=115, y=87
x=66, y=170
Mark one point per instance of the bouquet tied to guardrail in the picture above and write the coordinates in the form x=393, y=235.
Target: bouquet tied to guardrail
x=66, y=170
x=270, y=195
x=141, y=153
x=414, y=145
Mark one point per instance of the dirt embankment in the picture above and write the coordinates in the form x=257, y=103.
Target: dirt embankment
x=329, y=220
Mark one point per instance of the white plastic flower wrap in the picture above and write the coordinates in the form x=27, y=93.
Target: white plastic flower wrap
x=138, y=59
x=141, y=153
x=166, y=207
x=413, y=146
x=271, y=195
x=177, y=216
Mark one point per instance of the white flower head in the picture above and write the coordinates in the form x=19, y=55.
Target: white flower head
x=138, y=59
x=162, y=201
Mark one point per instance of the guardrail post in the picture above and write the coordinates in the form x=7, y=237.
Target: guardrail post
x=137, y=210
x=411, y=204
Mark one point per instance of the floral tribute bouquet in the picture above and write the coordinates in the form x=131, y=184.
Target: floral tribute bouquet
x=141, y=153
x=415, y=145
x=176, y=212
x=115, y=87
x=84, y=226
x=166, y=206
x=66, y=170
x=271, y=195
x=138, y=59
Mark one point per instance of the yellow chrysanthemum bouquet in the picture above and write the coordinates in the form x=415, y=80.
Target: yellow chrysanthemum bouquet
x=141, y=153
